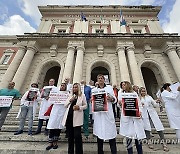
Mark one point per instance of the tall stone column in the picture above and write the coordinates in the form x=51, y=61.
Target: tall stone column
x=174, y=59
x=79, y=65
x=24, y=67
x=69, y=63
x=124, y=72
x=135, y=71
x=8, y=76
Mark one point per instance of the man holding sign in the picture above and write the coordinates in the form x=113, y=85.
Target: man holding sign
x=104, y=123
x=4, y=109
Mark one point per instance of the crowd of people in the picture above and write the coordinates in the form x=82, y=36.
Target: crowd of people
x=76, y=113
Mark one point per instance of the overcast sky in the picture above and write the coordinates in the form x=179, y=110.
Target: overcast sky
x=20, y=16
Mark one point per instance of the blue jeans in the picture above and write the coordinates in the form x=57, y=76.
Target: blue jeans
x=26, y=111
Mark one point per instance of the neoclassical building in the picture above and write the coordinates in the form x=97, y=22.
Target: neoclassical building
x=67, y=46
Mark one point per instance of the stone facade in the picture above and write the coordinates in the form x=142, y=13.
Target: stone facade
x=65, y=46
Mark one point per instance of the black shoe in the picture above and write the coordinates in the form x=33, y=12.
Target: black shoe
x=18, y=132
x=30, y=132
x=49, y=147
x=37, y=132
x=55, y=146
x=46, y=132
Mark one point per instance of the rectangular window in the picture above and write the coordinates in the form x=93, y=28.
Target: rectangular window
x=99, y=31
x=137, y=31
x=98, y=22
x=135, y=21
x=63, y=21
x=5, y=60
x=62, y=31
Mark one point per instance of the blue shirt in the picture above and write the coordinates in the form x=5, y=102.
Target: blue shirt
x=87, y=92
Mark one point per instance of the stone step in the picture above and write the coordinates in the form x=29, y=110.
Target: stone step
x=24, y=137
x=88, y=148
x=35, y=123
x=14, y=128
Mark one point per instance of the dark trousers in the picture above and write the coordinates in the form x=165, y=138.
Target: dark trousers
x=138, y=144
x=40, y=124
x=86, y=121
x=54, y=135
x=112, y=143
x=3, y=114
x=74, y=136
x=114, y=106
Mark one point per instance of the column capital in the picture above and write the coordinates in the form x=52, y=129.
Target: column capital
x=169, y=49
x=80, y=48
x=178, y=49
x=130, y=48
x=120, y=48
x=70, y=47
x=33, y=48
x=22, y=47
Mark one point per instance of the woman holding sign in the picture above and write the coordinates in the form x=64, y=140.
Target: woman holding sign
x=148, y=112
x=172, y=105
x=131, y=124
x=55, y=120
x=73, y=118
x=104, y=123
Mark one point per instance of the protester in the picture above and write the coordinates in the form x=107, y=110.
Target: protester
x=87, y=92
x=29, y=103
x=136, y=89
x=44, y=106
x=172, y=105
x=67, y=82
x=91, y=84
x=55, y=122
x=10, y=91
x=104, y=123
x=73, y=119
x=115, y=108
x=131, y=127
x=148, y=112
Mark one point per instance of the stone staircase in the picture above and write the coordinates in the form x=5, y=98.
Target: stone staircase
x=23, y=143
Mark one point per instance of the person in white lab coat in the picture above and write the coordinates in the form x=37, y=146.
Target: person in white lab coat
x=172, y=105
x=149, y=112
x=55, y=122
x=104, y=123
x=44, y=107
x=28, y=108
x=131, y=127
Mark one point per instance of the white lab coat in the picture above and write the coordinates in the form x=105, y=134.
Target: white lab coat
x=45, y=105
x=172, y=105
x=148, y=110
x=56, y=117
x=29, y=103
x=131, y=127
x=104, y=123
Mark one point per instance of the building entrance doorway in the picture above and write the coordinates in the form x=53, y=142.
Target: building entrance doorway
x=150, y=81
x=99, y=70
x=52, y=73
